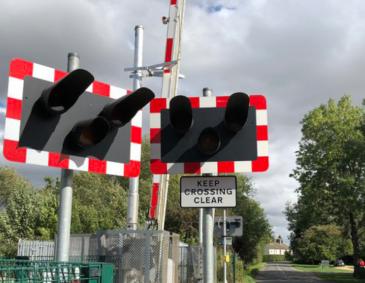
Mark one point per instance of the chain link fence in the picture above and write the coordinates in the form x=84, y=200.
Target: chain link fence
x=139, y=256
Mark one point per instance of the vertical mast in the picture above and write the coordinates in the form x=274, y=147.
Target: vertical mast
x=169, y=85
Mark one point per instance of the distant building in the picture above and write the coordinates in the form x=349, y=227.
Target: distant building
x=276, y=248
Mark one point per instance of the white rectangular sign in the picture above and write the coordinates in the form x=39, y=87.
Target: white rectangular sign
x=208, y=191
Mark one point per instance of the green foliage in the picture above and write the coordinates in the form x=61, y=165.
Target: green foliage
x=100, y=202
x=331, y=172
x=29, y=214
x=323, y=242
x=274, y=258
x=184, y=221
x=257, y=231
x=9, y=182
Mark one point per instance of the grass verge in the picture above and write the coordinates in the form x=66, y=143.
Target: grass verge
x=251, y=272
x=329, y=273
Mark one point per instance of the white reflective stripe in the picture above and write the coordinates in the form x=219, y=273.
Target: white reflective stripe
x=135, y=151
x=114, y=168
x=90, y=88
x=137, y=120
x=165, y=85
x=208, y=102
x=43, y=72
x=37, y=157
x=262, y=148
x=209, y=167
x=156, y=179
x=15, y=88
x=175, y=168
x=155, y=150
x=117, y=92
x=172, y=21
x=261, y=117
x=243, y=166
x=12, y=129
x=78, y=163
x=155, y=121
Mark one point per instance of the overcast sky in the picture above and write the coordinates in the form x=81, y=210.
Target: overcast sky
x=297, y=53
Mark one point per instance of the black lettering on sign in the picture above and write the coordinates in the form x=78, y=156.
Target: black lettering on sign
x=196, y=200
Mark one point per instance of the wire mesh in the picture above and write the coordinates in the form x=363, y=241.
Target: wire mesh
x=12, y=271
x=138, y=255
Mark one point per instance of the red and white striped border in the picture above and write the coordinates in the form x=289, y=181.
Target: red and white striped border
x=20, y=68
x=258, y=165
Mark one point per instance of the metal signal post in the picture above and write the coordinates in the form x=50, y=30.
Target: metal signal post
x=133, y=195
x=65, y=206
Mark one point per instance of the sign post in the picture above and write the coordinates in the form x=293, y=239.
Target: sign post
x=208, y=192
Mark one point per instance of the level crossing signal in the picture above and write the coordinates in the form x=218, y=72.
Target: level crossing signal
x=70, y=120
x=224, y=134
x=234, y=226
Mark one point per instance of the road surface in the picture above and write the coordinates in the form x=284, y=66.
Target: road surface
x=284, y=273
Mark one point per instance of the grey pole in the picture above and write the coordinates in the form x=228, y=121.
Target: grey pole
x=200, y=227
x=224, y=245
x=133, y=195
x=200, y=237
x=65, y=207
x=208, y=226
x=208, y=251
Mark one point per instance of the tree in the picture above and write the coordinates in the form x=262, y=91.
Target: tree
x=257, y=231
x=10, y=181
x=184, y=221
x=322, y=242
x=256, y=228
x=29, y=214
x=99, y=203
x=330, y=166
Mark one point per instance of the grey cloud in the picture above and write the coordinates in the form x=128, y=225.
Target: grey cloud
x=297, y=53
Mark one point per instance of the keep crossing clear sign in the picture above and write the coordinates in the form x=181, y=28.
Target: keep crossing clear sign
x=208, y=191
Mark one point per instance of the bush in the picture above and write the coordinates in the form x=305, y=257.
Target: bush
x=274, y=258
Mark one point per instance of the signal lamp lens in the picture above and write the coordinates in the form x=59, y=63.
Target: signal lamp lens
x=90, y=132
x=209, y=141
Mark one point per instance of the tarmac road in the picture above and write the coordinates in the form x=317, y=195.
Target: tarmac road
x=284, y=273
